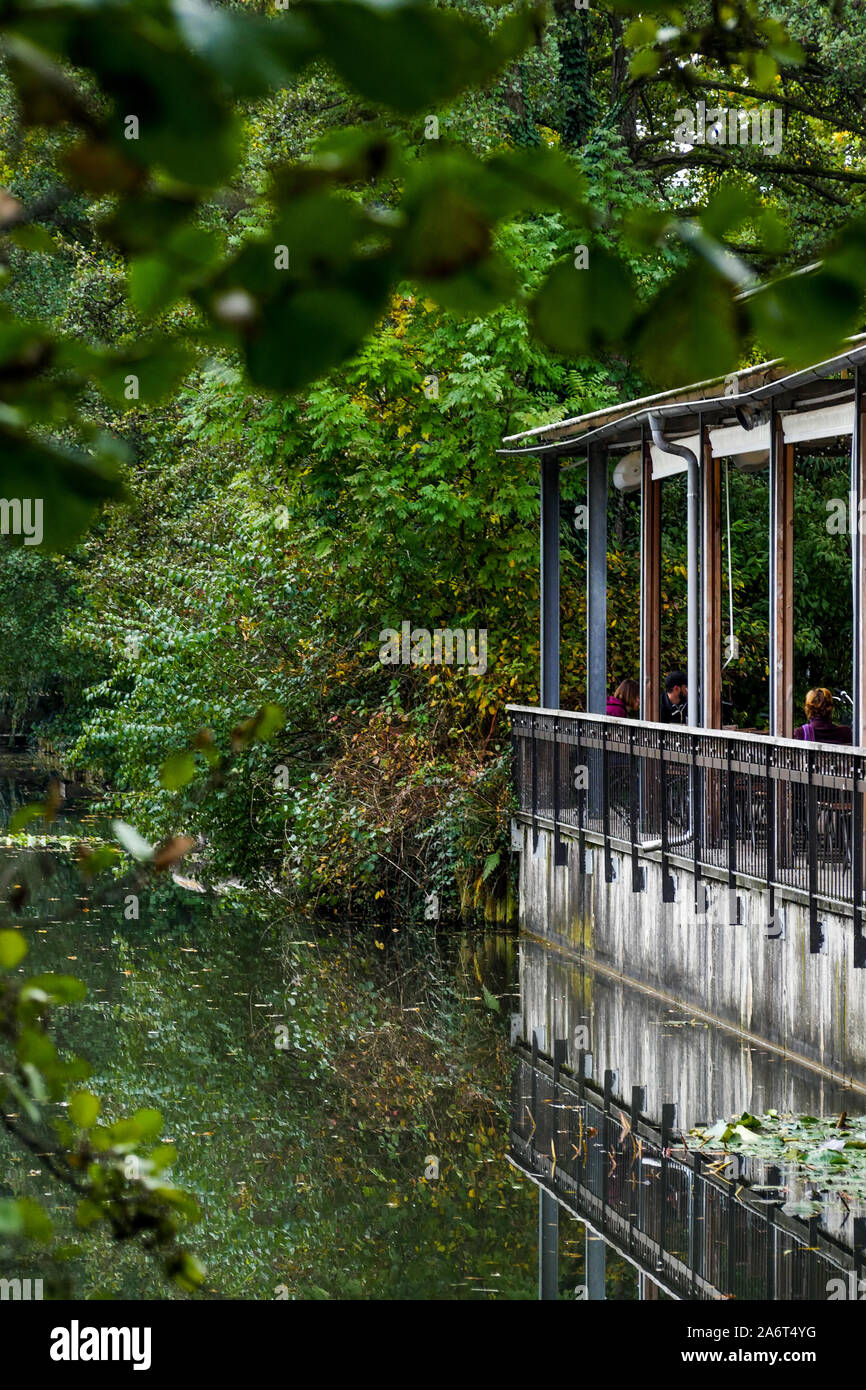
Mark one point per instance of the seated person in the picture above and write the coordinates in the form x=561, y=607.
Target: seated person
x=624, y=703
x=820, y=728
x=673, y=708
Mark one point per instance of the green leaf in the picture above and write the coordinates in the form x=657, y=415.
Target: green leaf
x=300, y=336
x=254, y=56
x=102, y=858
x=490, y=999
x=88, y=1213
x=62, y=989
x=163, y=1156
x=730, y=205
x=24, y=815
x=11, y=1220
x=35, y=1223
x=805, y=318
x=185, y=123
x=689, y=334
x=410, y=56
x=178, y=770
x=639, y=32
x=577, y=309
x=269, y=721
x=490, y=863
x=67, y=487
x=645, y=63
x=747, y=1121
x=36, y=1082
x=143, y=375
x=84, y=1107
x=13, y=949
x=25, y=1101
x=187, y=1272
x=150, y=1123
x=32, y=238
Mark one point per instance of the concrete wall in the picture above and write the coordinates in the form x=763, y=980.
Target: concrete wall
x=708, y=1071
x=744, y=976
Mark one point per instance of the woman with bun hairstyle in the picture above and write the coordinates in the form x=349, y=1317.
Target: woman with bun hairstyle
x=819, y=713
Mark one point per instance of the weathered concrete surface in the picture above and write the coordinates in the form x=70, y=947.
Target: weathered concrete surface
x=745, y=975
x=706, y=1069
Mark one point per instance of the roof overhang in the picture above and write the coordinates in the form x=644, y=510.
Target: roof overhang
x=687, y=410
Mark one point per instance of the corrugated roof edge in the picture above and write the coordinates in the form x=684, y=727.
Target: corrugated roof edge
x=664, y=401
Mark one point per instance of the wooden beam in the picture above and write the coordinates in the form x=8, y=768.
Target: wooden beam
x=650, y=589
x=782, y=584
x=596, y=580
x=711, y=586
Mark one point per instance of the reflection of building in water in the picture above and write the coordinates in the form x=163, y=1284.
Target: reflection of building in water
x=608, y=1146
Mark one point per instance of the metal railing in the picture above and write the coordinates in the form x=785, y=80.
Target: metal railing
x=693, y=1224
x=783, y=815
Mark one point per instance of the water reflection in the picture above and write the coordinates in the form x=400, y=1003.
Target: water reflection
x=362, y=1160
x=608, y=1147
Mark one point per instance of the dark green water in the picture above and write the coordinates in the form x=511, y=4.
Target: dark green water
x=308, y=1081
x=314, y=1081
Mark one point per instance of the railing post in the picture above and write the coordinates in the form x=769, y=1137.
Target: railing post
x=560, y=1056
x=605, y=807
x=610, y=1084
x=770, y=792
x=534, y=787
x=859, y=1240
x=816, y=936
x=560, y=848
x=636, y=870
x=667, y=881
x=581, y=1105
x=596, y=1271
x=730, y=1268
x=581, y=803
x=548, y=1246
x=771, y=1252
x=699, y=1220
x=732, y=825
x=669, y=1119
x=638, y=1104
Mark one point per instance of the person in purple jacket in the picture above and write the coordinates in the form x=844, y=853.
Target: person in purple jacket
x=624, y=703
x=819, y=712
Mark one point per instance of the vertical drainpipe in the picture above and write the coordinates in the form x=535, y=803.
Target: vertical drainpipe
x=693, y=515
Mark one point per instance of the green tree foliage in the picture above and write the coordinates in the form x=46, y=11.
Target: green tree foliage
x=277, y=283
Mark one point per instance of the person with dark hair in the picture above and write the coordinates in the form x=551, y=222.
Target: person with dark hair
x=674, y=708
x=820, y=727
x=624, y=703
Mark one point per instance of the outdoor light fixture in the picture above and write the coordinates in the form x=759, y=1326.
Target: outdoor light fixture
x=627, y=474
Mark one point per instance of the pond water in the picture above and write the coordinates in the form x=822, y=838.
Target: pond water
x=341, y=1099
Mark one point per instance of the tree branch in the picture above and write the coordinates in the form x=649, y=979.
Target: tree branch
x=821, y=113
x=695, y=160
